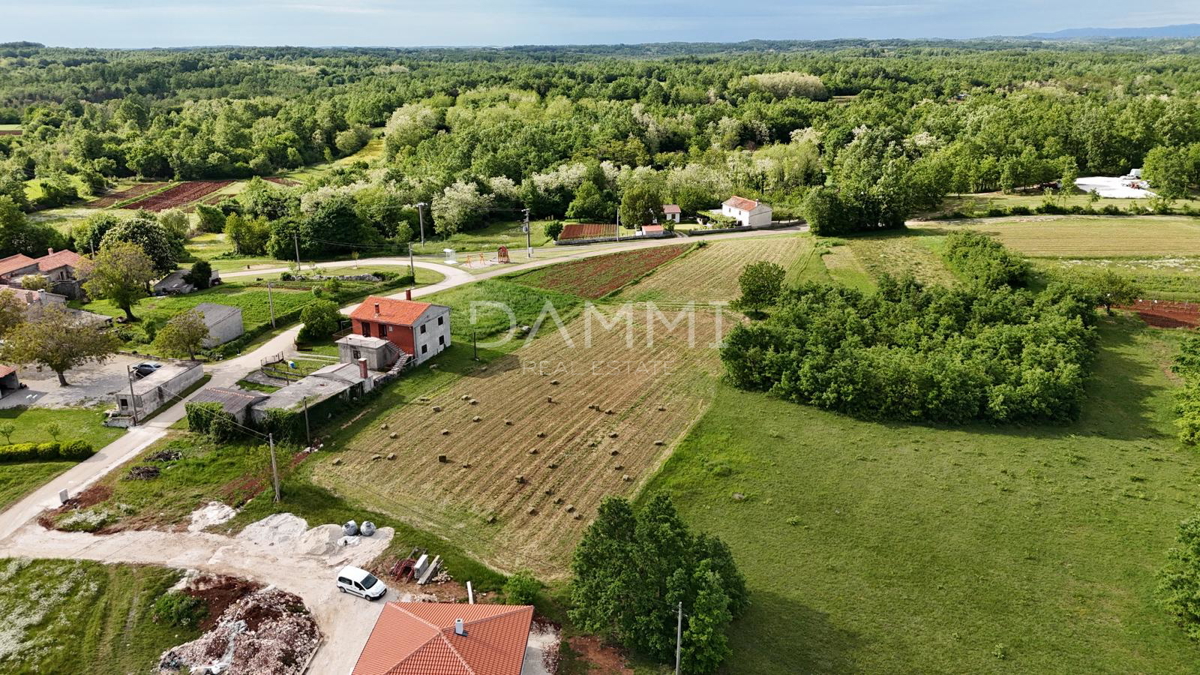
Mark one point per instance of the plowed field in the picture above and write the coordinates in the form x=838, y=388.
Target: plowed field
x=562, y=448
x=184, y=193
x=711, y=274
x=122, y=195
x=596, y=277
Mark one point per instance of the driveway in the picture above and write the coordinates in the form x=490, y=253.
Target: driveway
x=90, y=384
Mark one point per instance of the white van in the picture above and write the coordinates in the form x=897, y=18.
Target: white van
x=361, y=583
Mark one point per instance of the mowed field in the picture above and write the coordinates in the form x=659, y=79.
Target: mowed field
x=1086, y=236
x=710, y=274
x=577, y=418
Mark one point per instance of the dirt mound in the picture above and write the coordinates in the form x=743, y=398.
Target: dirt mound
x=322, y=540
x=218, y=593
x=269, y=632
x=280, y=529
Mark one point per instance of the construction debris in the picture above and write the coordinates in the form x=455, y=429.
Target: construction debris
x=143, y=473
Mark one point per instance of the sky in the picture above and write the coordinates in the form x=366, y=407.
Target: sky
x=403, y=23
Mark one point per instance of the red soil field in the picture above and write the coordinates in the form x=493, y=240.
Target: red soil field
x=122, y=195
x=587, y=231
x=1165, y=314
x=184, y=193
x=10, y=132
x=597, y=277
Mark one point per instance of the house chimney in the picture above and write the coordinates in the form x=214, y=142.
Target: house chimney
x=50, y=251
x=408, y=294
x=362, y=368
x=377, y=309
x=458, y=628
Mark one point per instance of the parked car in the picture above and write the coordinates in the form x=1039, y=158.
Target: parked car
x=143, y=369
x=361, y=583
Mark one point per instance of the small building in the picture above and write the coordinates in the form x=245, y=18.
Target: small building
x=142, y=397
x=176, y=283
x=236, y=402
x=224, y=323
x=672, y=212
x=59, y=265
x=441, y=637
x=653, y=231
x=419, y=329
x=344, y=380
x=747, y=212
x=36, y=301
x=379, y=353
x=9, y=381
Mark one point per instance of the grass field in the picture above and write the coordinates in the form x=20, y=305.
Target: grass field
x=982, y=202
x=83, y=424
x=710, y=274
x=535, y=467
x=251, y=299
x=86, y=617
x=371, y=152
x=901, y=548
x=21, y=478
x=899, y=254
x=1085, y=236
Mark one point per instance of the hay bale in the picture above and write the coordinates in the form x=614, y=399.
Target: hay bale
x=476, y=418
x=555, y=382
x=533, y=451
x=393, y=435
x=662, y=408
x=383, y=427
x=549, y=399
x=532, y=511
x=549, y=491
x=375, y=458
x=577, y=516
x=552, y=465
x=626, y=478
x=541, y=434
x=520, y=480
x=658, y=442
x=442, y=459
x=466, y=465
x=491, y=520
x=614, y=453
x=609, y=412
x=337, y=462
x=474, y=402
x=570, y=508
x=445, y=432
x=591, y=444
x=508, y=423
x=391, y=456
x=465, y=397
x=558, y=500
x=437, y=408
x=618, y=467
x=612, y=434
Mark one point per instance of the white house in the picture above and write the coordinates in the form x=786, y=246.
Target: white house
x=224, y=323
x=672, y=213
x=747, y=212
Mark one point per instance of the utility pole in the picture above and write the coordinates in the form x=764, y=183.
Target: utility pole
x=421, y=217
x=412, y=269
x=307, y=431
x=271, y=304
x=678, y=638
x=132, y=397
x=618, y=223
x=528, y=235
x=475, y=343
x=274, y=467
x=296, y=242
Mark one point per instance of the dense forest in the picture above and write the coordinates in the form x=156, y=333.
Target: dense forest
x=855, y=134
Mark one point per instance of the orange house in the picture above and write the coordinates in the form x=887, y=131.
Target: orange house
x=420, y=329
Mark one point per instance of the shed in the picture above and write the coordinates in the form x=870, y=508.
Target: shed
x=344, y=380
x=672, y=212
x=162, y=387
x=236, y=402
x=379, y=353
x=224, y=323
x=9, y=381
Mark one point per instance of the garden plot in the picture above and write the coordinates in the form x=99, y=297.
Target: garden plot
x=900, y=254
x=511, y=463
x=598, y=276
x=711, y=273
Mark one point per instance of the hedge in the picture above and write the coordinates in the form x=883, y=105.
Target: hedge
x=46, y=452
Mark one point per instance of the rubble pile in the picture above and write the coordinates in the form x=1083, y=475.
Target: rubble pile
x=269, y=632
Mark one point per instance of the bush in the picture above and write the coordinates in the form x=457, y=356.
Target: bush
x=521, y=588
x=917, y=354
x=180, y=610
x=46, y=452
x=554, y=229
x=1179, y=581
x=984, y=261
x=321, y=319
x=1020, y=211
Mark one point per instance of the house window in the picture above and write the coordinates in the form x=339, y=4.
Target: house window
x=124, y=404
x=424, y=349
x=422, y=329
x=442, y=340
x=440, y=322
x=357, y=355
x=383, y=330
x=366, y=329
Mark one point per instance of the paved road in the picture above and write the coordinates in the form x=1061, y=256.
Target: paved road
x=18, y=536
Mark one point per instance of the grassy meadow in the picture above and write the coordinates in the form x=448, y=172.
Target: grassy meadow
x=900, y=548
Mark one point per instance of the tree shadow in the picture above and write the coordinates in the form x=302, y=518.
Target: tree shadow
x=780, y=635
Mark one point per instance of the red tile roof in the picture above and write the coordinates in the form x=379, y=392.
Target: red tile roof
x=671, y=208
x=58, y=259
x=417, y=638
x=14, y=262
x=5, y=371
x=390, y=311
x=741, y=203
x=652, y=228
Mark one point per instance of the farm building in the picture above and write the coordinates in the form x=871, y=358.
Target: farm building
x=236, y=402
x=419, y=329
x=379, y=353
x=439, y=637
x=176, y=283
x=579, y=233
x=344, y=380
x=58, y=267
x=672, y=212
x=747, y=212
x=653, y=231
x=36, y=301
x=157, y=389
x=224, y=323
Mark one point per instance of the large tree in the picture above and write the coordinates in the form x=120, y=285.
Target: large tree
x=120, y=273
x=20, y=235
x=761, y=284
x=632, y=571
x=12, y=311
x=59, y=340
x=183, y=335
x=641, y=204
x=151, y=237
